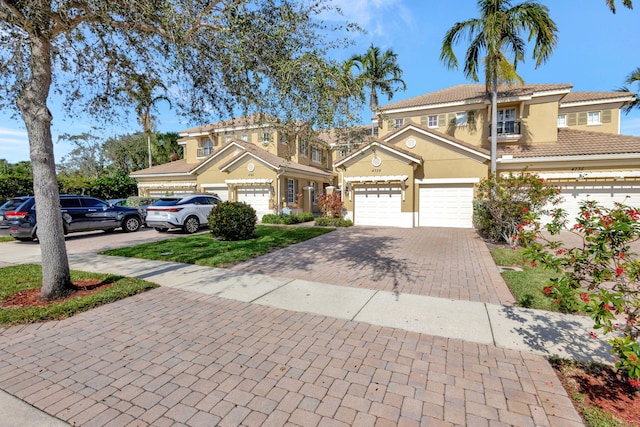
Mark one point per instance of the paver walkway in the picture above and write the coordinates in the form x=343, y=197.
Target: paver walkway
x=439, y=262
x=171, y=357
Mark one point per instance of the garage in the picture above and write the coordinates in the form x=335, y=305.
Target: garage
x=221, y=190
x=446, y=205
x=605, y=194
x=377, y=205
x=257, y=196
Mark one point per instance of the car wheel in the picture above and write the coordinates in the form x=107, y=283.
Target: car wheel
x=161, y=230
x=191, y=224
x=131, y=224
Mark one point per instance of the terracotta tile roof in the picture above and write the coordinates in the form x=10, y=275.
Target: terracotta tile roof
x=593, y=96
x=472, y=93
x=576, y=143
x=276, y=161
x=179, y=166
x=250, y=120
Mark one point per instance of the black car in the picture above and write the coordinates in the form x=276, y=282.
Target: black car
x=9, y=205
x=79, y=213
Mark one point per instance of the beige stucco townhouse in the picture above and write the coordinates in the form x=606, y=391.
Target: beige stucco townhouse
x=431, y=150
x=250, y=159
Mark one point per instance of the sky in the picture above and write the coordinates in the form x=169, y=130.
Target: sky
x=596, y=51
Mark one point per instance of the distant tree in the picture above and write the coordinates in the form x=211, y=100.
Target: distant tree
x=220, y=55
x=126, y=153
x=379, y=71
x=15, y=179
x=497, y=33
x=86, y=158
x=632, y=78
x=166, y=147
x=140, y=90
x=612, y=4
x=114, y=186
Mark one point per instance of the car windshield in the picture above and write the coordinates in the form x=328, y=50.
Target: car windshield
x=166, y=202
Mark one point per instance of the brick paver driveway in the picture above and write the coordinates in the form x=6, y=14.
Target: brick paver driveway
x=171, y=357
x=439, y=262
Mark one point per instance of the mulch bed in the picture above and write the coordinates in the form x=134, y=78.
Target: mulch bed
x=31, y=297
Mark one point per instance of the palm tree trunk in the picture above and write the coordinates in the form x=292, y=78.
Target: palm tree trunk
x=32, y=103
x=494, y=126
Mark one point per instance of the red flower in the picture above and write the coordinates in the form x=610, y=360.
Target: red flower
x=634, y=383
x=622, y=255
x=633, y=358
x=585, y=297
x=561, y=251
x=547, y=290
x=608, y=307
x=619, y=270
x=525, y=210
x=593, y=335
x=577, y=226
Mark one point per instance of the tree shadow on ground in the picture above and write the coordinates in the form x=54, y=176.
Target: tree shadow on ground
x=366, y=255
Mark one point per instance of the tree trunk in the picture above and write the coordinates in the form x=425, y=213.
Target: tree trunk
x=32, y=102
x=494, y=126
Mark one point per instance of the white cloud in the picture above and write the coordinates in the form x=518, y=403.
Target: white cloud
x=14, y=145
x=377, y=17
x=12, y=132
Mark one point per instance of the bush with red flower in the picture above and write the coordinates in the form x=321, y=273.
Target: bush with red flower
x=603, y=274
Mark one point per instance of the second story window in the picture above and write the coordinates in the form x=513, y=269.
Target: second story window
x=266, y=138
x=562, y=121
x=506, y=121
x=399, y=122
x=245, y=137
x=461, y=119
x=432, y=121
x=316, y=154
x=206, y=148
x=304, y=148
x=593, y=118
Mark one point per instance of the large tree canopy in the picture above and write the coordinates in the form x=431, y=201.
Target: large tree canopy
x=213, y=56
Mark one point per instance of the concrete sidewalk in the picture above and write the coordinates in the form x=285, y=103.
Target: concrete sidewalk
x=482, y=324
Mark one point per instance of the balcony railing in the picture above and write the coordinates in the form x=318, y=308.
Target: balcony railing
x=204, y=152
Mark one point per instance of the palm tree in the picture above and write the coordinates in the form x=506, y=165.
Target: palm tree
x=497, y=33
x=612, y=4
x=632, y=78
x=140, y=91
x=379, y=71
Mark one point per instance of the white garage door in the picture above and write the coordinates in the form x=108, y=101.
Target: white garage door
x=377, y=205
x=446, y=205
x=220, y=189
x=257, y=197
x=605, y=193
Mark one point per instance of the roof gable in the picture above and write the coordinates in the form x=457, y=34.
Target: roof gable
x=356, y=154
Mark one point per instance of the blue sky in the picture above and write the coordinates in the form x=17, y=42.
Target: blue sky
x=595, y=52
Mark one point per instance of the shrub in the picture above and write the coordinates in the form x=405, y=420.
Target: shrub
x=502, y=203
x=287, y=219
x=330, y=205
x=232, y=221
x=603, y=274
x=137, y=201
x=333, y=222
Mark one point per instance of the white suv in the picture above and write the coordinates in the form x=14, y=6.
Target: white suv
x=187, y=211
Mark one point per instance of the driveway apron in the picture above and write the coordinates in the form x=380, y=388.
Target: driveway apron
x=452, y=263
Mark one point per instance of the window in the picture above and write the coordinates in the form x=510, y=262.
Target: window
x=206, y=148
x=228, y=138
x=399, y=122
x=266, y=138
x=93, y=203
x=506, y=121
x=562, y=121
x=70, y=203
x=343, y=151
x=316, y=154
x=314, y=188
x=433, y=121
x=304, y=148
x=593, y=118
x=245, y=137
x=291, y=191
x=461, y=119
x=283, y=139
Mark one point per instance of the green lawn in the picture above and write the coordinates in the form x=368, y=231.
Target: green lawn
x=527, y=285
x=25, y=277
x=6, y=239
x=202, y=249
